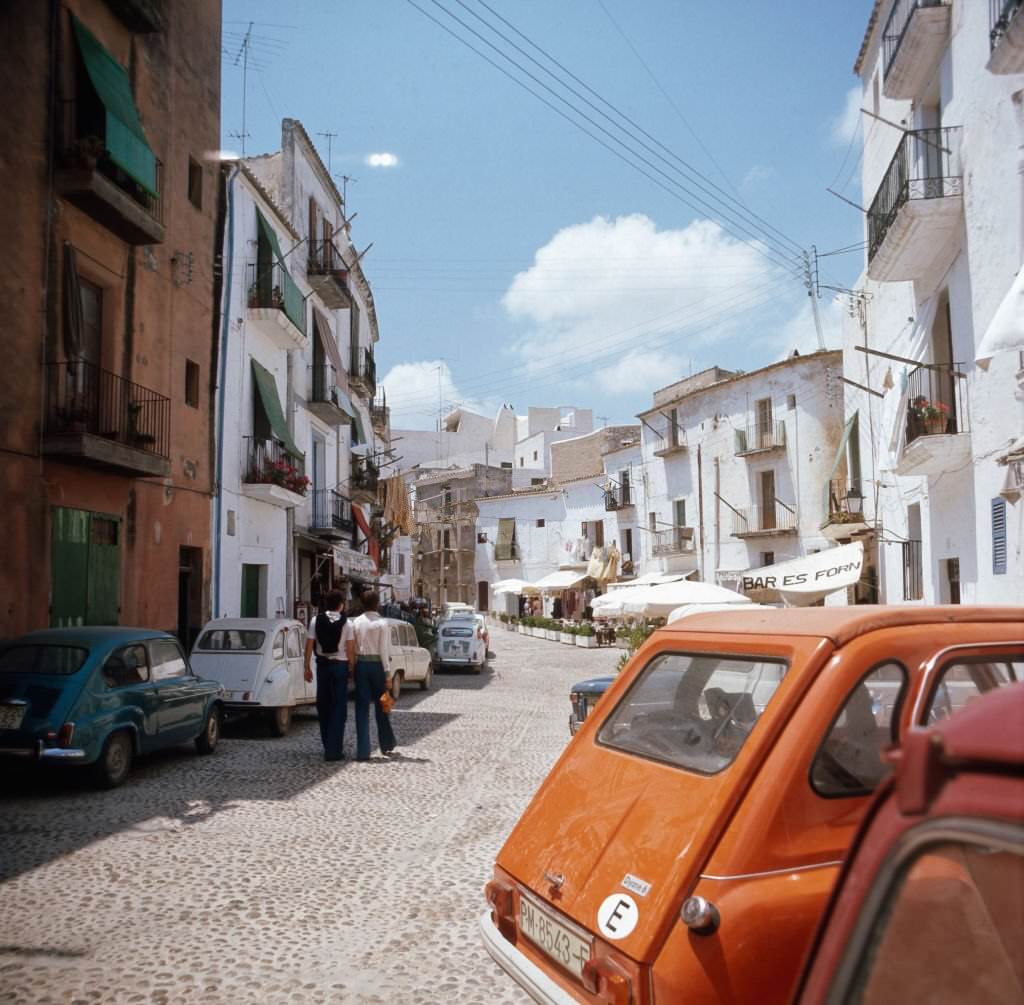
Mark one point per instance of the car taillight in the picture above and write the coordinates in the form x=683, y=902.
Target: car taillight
x=66, y=734
x=609, y=981
x=499, y=896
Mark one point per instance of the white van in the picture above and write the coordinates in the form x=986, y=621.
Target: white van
x=259, y=662
x=410, y=662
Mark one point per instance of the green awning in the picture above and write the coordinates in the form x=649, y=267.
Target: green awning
x=504, y=547
x=294, y=301
x=848, y=430
x=266, y=388
x=125, y=138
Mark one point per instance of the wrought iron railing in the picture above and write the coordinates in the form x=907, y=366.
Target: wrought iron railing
x=84, y=398
x=936, y=401
x=379, y=413
x=325, y=259
x=617, y=497
x=331, y=511
x=270, y=462
x=1001, y=13
x=926, y=165
x=760, y=436
x=670, y=441
x=844, y=500
x=779, y=517
x=324, y=383
x=364, y=368
x=364, y=476
x=900, y=17
x=270, y=286
x=673, y=541
x=913, y=571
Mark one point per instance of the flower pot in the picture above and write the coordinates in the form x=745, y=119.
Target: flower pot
x=567, y=638
x=553, y=636
x=935, y=424
x=586, y=641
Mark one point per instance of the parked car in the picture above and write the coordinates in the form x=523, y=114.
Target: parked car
x=683, y=846
x=929, y=905
x=583, y=696
x=462, y=640
x=260, y=663
x=410, y=662
x=96, y=697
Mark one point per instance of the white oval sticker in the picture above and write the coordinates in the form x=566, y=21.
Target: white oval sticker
x=617, y=916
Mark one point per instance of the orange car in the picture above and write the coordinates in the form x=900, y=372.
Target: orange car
x=684, y=845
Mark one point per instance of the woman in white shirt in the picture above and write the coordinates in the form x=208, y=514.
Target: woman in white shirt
x=369, y=651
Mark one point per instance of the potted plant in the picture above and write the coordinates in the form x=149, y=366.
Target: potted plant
x=568, y=636
x=554, y=630
x=933, y=415
x=586, y=637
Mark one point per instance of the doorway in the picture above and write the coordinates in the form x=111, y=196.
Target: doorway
x=253, y=589
x=85, y=573
x=482, y=594
x=767, y=479
x=190, y=595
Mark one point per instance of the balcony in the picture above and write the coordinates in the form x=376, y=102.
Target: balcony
x=1006, y=36
x=671, y=444
x=87, y=178
x=914, y=39
x=275, y=305
x=918, y=206
x=937, y=436
x=327, y=274
x=324, y=400
x=363, y=373
x=379, y=415
x=331, y=515
x=845, y=504
x=363, y=480
x=95, y=417
x=760, y=437
x=272, y=474
x=674, y=541
x=618, y=497
x=764, y=521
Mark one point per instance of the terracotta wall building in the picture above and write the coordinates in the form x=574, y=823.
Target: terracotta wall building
x=109, y=204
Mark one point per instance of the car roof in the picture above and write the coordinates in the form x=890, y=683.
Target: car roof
x=839, y=624
x=249, y=624
x=89, y=635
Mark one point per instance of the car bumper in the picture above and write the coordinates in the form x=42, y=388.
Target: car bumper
x=41, y=753
x=537, y=984
x=574, y=724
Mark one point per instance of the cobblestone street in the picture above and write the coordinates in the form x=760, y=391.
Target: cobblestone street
x=262, y=874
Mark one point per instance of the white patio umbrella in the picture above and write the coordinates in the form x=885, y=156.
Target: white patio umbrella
x=660, y=601
x=517, y=586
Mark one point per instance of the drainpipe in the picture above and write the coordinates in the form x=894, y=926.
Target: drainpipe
x=225, y=309
x=289, y=544
x=700, y=513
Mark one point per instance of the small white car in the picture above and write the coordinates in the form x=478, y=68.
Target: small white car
x=462, y=640
x=410, y=662
x=259, y=662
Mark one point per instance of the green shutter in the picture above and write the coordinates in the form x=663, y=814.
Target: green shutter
x=266, y=389
x=86, y=571
x=852, y=475
x=294, y=301
x=125, y=140
x=250, y=605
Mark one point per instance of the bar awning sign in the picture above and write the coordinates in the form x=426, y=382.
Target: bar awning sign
x=802, y=581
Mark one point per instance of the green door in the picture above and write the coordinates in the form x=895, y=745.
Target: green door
x=250, y=591
x=85, y=579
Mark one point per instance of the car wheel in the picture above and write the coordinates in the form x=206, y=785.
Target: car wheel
x=280, y=720
x=206, y=741
x=115, y=762
x=396, y=685
x=428, y=680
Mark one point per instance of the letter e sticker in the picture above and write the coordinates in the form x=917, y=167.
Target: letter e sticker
x=617, y=916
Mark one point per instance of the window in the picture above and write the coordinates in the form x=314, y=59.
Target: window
x=231, y=640
x=277, y=652
x=535, y=455
x=692, y=711
x=952, y=567
x=673, y=427
x=481, y=537
x=195, y=183
x=293, y=643
x=627, y=544
x=791, y=401
x=191, y=383
x=960, y=683
x=999, y=536
x=949, y=927
x=767, y=558
x=652, y=522
x=541, y=522
x=396, y=638
x=168, y=660
x=849, y=762
x=401, y=564
x=447, y=539
x=126, y=666
x=60, y=660
x=536, y=481
x=91, y=296
x=522, y=461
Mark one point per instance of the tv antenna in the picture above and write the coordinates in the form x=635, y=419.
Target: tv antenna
x=345, y=179
x=329, y=136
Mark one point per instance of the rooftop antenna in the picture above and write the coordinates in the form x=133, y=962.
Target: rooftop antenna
x=243, y=55
x=330, y=136
x=345, y=179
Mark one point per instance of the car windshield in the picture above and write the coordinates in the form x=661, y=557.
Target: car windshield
x=232, y=640
x=58, y=660
x=692, y=711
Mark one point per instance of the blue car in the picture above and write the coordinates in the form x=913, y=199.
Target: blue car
x=583, y=697
x=96, y=697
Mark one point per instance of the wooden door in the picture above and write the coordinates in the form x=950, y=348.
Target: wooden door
x=482, y=595
x=767, y=500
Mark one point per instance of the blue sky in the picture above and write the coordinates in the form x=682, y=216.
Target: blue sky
x=522, y=258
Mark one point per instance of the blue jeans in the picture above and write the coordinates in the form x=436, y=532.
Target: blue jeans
x=370, y=685
x=332, y=704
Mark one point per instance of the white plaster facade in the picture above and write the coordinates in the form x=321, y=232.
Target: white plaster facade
x=951, y=253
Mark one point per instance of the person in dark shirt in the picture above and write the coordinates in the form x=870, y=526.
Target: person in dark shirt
x=329, y=632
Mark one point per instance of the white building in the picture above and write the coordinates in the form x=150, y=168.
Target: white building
x=536, y=431
x=943, y=188
x=736, y=469
x=293, y=512
x=465, y=437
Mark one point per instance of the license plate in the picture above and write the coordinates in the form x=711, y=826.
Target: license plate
x=558, y=941
x=11, y=716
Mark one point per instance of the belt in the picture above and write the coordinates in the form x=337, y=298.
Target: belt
x=369, y=659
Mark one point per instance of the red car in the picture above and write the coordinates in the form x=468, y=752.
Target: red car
x=929, y=906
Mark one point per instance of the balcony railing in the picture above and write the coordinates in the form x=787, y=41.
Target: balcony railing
x=760, y=436
x=926, y=165
x=83, y=398
x=913, y=571
x=269, y=462
x=844, y=501
x=324, y=384
x=328, y=274
x=331, y=512
x=364, y=370
x=670, y=443
x=379, y=414
x=271, y=287
x=1001, y=13
x=364, y=476
x=936, y=401
x=618, y=497
x=896, y=27
x=674, y=541
x=779, y=518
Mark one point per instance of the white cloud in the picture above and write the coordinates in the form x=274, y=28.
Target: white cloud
x=621, y=304
x=801, y=333
x=845, y=125
x=757, y=174
x=381, y=160
x=414, y=390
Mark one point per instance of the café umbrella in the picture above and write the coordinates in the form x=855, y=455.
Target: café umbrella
x=516, y=586
x=660, y=601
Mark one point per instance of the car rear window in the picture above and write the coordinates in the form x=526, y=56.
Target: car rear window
x=693, y=711
x=231, y=640
x=57, y=660
x=457, y=633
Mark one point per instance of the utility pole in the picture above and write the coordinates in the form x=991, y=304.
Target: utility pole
x=811, y=285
